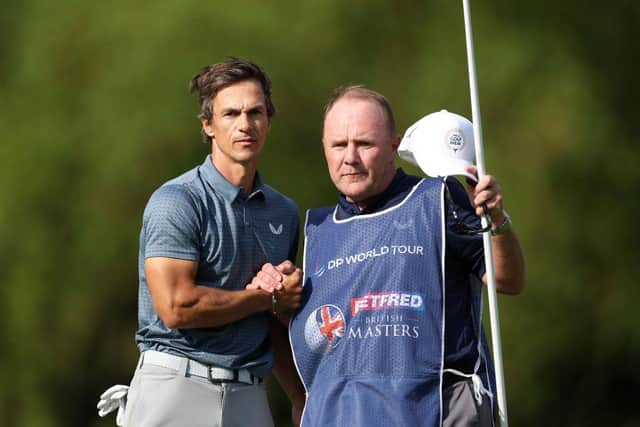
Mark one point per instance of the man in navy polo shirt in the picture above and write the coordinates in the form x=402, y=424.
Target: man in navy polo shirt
x=389, y=331
x=204, y=338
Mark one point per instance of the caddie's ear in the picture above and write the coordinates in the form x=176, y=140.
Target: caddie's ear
x=395, y=143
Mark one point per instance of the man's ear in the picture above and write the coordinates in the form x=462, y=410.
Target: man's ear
x=207, y=128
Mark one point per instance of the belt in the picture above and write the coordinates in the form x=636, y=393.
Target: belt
x=215, y=374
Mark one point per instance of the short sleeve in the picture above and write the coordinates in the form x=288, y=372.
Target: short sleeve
x=172, y=224
x=468, y=249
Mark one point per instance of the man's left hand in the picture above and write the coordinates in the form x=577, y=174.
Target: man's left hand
x=485, y=192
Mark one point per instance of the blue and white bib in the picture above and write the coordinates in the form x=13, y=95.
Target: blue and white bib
x=368, y=340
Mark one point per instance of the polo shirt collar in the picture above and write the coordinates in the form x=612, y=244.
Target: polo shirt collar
x=222, y=186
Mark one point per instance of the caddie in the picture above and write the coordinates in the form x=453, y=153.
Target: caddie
x=394, y=337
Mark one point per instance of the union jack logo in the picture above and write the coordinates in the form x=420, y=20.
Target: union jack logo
x=332, y=324
x=324, y=328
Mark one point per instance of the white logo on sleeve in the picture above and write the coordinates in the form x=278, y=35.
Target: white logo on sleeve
x=275, y=230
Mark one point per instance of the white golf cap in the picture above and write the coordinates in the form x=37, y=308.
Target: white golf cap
x=441, y=144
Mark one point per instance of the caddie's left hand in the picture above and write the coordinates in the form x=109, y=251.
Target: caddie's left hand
x=486, y=192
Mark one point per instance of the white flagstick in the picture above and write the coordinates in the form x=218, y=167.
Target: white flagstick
x=491, y=280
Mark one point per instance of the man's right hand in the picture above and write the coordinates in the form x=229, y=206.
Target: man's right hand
x=284, y=281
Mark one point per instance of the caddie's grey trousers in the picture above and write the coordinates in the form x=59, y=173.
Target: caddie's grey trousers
x=461, y=408
x=160, y=396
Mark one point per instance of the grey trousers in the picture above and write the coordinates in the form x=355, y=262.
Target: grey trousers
x=460, y=408
x=161, y=396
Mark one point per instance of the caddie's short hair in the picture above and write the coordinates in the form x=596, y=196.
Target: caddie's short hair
x=361, y=92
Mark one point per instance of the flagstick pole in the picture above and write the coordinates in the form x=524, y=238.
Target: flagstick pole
x=491, y=280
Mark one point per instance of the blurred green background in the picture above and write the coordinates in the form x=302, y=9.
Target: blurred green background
x=95, y=114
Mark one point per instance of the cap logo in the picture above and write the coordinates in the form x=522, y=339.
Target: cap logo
x=455, y=140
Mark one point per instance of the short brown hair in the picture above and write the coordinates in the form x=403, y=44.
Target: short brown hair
x=213, y=78
x=361, y=92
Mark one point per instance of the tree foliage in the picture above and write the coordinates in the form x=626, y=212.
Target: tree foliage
x=95, y=114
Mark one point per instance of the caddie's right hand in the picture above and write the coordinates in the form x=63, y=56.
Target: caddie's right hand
x=288, y=297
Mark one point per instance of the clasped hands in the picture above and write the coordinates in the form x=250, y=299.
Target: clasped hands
x=283, y=281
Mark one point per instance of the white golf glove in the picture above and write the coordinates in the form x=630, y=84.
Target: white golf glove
x=114, y=398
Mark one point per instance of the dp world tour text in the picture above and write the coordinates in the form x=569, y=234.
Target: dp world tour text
x=376, y=252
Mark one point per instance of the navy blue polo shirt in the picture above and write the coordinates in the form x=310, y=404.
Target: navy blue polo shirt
x=464, y=259
x=200, y=216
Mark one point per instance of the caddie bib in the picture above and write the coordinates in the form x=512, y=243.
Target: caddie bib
x=368, y=339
